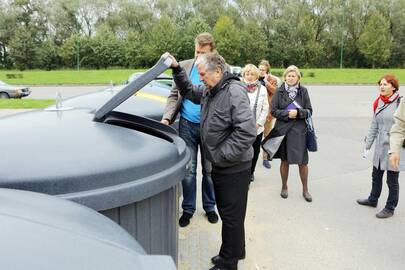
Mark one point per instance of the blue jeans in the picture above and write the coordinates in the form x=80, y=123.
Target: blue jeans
x=190, y=133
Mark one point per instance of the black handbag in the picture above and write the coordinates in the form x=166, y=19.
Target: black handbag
x=312, y=144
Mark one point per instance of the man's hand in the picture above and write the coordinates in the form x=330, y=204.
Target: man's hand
x=165, y=122
x=394, y=160
x=174, y=62
x=292, y=114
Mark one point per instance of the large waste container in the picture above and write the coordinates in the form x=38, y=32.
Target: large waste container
x=40, y=232
x=125, y=166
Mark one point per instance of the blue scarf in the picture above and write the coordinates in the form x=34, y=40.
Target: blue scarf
x=291, y=90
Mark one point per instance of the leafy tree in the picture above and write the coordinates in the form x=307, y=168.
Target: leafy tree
x=228, y=39
x=210, y=10
x=63, y=20
x=282, y=49
x=254, y=44
x=179, y=11
x=355, y=14
x=22, y=48
x=77, y=46
x=189, y=33
x=311, y=50
x=134, y=49
x=162, y=37
x=135, y=33
x=375, y=42
x=398, y=33
x=135, y=16
x=107, y=49
x=47, y=56
x=8, y=26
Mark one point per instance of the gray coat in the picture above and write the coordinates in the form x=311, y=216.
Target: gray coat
x=380, y=134
x=227, y=125
x=293, y=149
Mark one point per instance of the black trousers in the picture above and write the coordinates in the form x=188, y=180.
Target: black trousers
x=256, y=152
x=393, y=188
x=231, y=191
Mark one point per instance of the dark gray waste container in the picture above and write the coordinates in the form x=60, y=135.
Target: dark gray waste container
x=41, y=232
x=125, y=166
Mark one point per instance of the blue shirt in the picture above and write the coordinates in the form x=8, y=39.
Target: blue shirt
x=189, y=110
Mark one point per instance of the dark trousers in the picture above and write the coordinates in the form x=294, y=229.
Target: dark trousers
x=256, y=152
x=393, y=187
x=231, y=191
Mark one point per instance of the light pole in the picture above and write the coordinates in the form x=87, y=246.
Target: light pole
x=77, y=46
x=343, y=32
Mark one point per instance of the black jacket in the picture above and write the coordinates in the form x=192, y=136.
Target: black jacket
x=227, y=125
x=294, y=148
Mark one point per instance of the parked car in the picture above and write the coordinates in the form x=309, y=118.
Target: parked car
x=150, y=101
x=161, y=79
x=236, y=70
x=9, y=91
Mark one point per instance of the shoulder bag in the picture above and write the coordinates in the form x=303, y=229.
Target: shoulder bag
x=312, y=144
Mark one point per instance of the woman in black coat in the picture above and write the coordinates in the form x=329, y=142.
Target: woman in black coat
x=291, y=106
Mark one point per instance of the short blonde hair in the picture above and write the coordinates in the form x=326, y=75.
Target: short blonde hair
x=251, y=68
x=292, y=68
x=266, y=64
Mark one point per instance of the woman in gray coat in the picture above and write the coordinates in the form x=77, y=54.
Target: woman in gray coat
x=384, y=107
x=291, y=106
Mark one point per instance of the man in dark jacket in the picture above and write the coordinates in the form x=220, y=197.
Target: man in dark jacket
x=228, y=131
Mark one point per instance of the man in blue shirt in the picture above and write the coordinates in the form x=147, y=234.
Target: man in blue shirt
x=189, y=131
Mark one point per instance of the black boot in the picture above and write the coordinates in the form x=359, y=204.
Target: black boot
x=218, y=259
x=366, y=202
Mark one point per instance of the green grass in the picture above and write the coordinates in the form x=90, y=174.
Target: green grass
x=39, y=77
x=25, y=103
x=346, y=76
x=319, y=76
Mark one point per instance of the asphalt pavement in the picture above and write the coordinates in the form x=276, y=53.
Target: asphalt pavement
x=332, y=232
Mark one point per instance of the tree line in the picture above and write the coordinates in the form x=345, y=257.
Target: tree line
x=54, y=34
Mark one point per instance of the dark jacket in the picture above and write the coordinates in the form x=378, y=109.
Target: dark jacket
x=227, y=124
x=294, y=146
x=174, y=100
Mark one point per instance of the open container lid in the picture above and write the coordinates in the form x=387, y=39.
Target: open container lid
x=164, y=63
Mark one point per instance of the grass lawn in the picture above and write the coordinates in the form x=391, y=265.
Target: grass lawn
x=25, y=103
x=56, y=77
x=346, y=76
x=310, y=76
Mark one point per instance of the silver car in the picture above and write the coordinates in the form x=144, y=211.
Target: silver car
x=9, y=91
x=236, y=70
x=163, y=78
